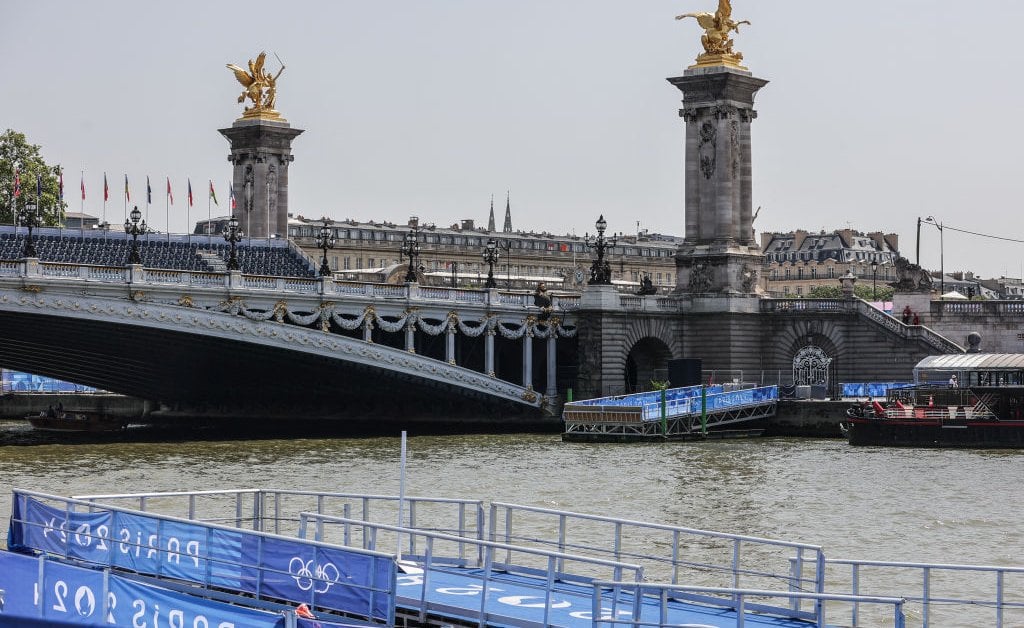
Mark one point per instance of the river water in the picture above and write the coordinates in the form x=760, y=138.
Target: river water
x=944, y=506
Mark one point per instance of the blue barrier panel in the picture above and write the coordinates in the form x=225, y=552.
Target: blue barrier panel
x=41, y=589
x=356, y=582
x=872, y=389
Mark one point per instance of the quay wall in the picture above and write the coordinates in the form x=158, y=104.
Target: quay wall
x=19, y=405
x=810, y=419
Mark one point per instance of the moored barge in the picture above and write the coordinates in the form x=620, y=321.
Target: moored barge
x=970, y=401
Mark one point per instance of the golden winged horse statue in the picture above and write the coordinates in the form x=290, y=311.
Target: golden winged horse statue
x=260, y=87
x=716, y=40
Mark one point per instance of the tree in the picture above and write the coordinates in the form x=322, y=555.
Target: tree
x=860, y=290
x=16, y=152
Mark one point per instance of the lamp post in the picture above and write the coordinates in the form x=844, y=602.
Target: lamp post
x=27, y=217
x=324, y=241
x=233, y=235
x=491, y=257
x=134, y=229
x=411, y=247
x=942, y=253
x=874, y=280
x=600, y=269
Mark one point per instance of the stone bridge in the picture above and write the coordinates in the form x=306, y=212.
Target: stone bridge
x=233, y=345
x=626, y=340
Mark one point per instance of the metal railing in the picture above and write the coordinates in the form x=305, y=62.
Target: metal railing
x=276, y=511
x=543, y=569
x=626, y=600
x=713, y=558
x=864, y=575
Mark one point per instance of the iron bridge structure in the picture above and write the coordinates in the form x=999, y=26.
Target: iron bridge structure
x=224, y=344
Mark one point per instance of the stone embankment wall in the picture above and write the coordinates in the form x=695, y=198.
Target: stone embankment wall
x=19, y=405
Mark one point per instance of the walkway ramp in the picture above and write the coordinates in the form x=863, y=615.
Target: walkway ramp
x=691, y=413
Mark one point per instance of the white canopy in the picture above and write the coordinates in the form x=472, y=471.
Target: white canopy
x=953, y=294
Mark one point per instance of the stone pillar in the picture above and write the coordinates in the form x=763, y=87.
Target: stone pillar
x=528, y=359
x=552, y=384
x=489, y=353
x=261, y=151
x=449, y=346
x=368, y=328
x=410, y=337
x=719, y=255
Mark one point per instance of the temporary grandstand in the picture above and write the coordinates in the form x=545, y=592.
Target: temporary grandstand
x=276, y=258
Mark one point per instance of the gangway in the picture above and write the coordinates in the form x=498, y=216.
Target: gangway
x=690, y=413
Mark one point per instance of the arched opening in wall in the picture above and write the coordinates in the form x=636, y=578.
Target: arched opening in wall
x=814, y=366
x=647, y=360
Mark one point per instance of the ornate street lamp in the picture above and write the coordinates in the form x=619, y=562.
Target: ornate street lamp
x=874, y=280
x=491, y=257
x=233, y=235
x=600, y=269
x=27, y=217
x=411, y=248
x=134, y=229
x=324, y=241
x=942, y=255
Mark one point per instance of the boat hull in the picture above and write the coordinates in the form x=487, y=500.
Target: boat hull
x=78, y=423
x=917, y=433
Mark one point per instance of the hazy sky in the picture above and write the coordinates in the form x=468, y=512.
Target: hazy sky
x=878, y=112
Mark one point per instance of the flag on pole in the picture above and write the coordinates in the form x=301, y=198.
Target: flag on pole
x=231, y=195
x=170, y=194
x=149, y=192
x=83, y=186
x=190, y=192
x=17, y=183
x=213, y=194
x=127, y=194
x=106, y=188
x=60, y=184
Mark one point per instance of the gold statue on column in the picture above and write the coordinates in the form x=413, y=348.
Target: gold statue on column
x=717, y=42
x=260, y=88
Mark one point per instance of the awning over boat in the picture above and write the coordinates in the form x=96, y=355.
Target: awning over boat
x=973, y=362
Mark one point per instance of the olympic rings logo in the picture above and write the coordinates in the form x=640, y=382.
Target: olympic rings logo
x=318, y=578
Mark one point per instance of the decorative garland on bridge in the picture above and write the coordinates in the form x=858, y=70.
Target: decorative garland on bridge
x=327, y=313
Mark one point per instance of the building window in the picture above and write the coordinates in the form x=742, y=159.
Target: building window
x=372, y=265
x=787, y=273
x=348, y=263
x=831, y=272
x=799, y=290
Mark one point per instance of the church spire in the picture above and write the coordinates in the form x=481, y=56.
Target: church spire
x=490, y=221
x=507, y=228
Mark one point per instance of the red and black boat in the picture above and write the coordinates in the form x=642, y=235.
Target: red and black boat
x=978, y=404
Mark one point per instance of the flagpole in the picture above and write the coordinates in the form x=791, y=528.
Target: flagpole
x=81, y=208
x=103, y=225
x=167, y=209
x=209, y=217
x=188, y=212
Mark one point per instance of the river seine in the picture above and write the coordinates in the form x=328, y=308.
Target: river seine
x=946, y=506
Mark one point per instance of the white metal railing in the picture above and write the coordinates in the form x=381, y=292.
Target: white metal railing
x=545, y=569
x=939, y=590
x=714, y=558
x=622, y=603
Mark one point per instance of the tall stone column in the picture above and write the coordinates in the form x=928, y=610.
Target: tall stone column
x=261, y=151
x=489, y=352
x=528, y=359
x=552, y=384
x=719, y=255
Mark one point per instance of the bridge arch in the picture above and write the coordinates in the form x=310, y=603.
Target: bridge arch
x=648, y=346
x=647, y=360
